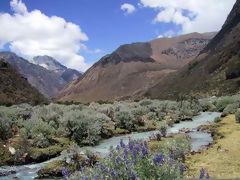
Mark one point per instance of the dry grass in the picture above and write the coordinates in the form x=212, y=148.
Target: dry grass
x=222, y=160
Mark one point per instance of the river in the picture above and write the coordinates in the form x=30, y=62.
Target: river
x=199, y=140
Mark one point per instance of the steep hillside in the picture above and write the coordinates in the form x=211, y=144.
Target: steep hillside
x=134, y=68
x=48, y=82
x=15, y=89
x=216, y=71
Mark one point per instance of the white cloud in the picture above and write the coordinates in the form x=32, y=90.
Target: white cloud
x=92, y=51
x=33, y=33
x=167, y=34
x=128, y=8
x=18, y=6
x=191, y=15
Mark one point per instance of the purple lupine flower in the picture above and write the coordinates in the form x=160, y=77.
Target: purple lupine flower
x=65, y=173
x=171, y=161
x=207, y=176
x=144, y=151
x=117, y=160
x=158, y=159
x=118, y=148
x=145, y=144
x=110, y=154
x=138, y=147
x=133, y=175
x=182, y=168
x=130, y=145
x=113, y=173
x=96, y=177
x=125, y=157
x=103, y=168
x=122, y=144
x=134, y=153
x=125, y=151
x=81, y=168
x=202, y=173
x=171, y=156
x=84, y=178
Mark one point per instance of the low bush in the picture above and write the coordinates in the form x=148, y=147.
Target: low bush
x=152, y=116
x=207, y=105
x=231, y=108
x=83, y=126
x=217, y=120
x=125, y=120
x=39, y=131
x=5, y=128
x=163, y=129
x=237, y=115
x=223, y=102
x=145, y=102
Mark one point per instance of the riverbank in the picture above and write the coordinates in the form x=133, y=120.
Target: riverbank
x=18, y=151
x=222, y=159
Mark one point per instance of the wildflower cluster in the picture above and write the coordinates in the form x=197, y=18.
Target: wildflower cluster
x=134, y=161
x=203, y=174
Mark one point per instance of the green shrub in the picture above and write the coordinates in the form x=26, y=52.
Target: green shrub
x=180, y=147
x=207, y=105
x=152, y=116
x=15, y=112
x=125, y=120
x=5, y=128
x=223, y=102
x=163, y=129
x=39, y=131
x=41, y=141
x=139, y=111
x=237, y=115
x=83, y=126
x=145, y=102
x=231, y=108
x=217, y=120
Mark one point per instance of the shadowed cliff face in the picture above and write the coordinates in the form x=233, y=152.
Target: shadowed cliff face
x=15, y=89
x=127, y=53
x=216, y=71
x=133, y=68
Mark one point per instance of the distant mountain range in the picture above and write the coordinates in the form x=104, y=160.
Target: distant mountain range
x=15, y=89
x=46, y=74
x=134, y=68
x=52, y=64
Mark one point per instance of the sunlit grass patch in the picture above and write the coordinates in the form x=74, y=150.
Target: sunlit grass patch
x=222, y=160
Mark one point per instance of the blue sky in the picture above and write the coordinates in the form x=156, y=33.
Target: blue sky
x=107, y=26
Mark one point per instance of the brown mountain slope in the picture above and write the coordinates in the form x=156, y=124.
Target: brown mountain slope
x=15, y=89
x=216, y=71
x=134, y=68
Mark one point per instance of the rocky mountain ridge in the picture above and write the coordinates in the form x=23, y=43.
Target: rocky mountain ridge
x=134, y=68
